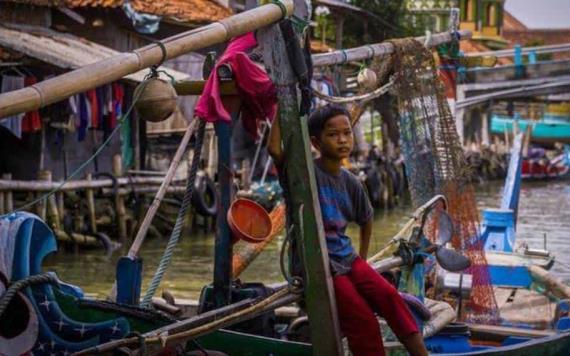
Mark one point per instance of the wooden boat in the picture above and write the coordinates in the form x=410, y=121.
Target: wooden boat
x=540, y=167
x=50, y=320
x=548, y=130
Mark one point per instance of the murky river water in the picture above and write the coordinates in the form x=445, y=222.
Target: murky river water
x=544, y=209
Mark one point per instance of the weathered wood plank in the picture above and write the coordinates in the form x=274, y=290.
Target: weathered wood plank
x=304, y=213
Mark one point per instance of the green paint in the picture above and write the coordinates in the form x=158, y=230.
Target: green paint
x=239, y=344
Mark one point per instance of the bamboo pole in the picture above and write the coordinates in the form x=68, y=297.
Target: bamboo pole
x=91, y=207
x=120, y=200
x=244, y=257
x=378, y=49
x=77, y=239
x=141, y=234
x=44, y=186
x=116, y=67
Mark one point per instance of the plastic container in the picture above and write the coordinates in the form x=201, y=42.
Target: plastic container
x=248, y=221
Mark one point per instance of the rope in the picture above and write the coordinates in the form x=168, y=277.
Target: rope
x=90, y=159
x=281, y=6
x=361, y=98
x=179, y=224
x=24, y=283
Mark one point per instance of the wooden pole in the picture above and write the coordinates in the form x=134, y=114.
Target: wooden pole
x=223, y=247
x=91, y=207
x=42, y=205
x=52, y=212
x=120, y=208
x=377, y=50
x=60, y=204
x=116, y=67
x=151, y=212
x=304, y=212
x=45, y=186
x=249, y=252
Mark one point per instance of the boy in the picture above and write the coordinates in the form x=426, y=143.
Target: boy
x=359, y=290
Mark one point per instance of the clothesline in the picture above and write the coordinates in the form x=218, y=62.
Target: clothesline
x=95, y=109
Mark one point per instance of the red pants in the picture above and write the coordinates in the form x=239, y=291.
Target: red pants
x=359, y=294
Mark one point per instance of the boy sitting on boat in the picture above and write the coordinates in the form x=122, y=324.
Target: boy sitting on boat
x=359, y=290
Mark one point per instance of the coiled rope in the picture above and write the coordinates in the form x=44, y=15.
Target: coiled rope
x=179, y=224
x=10, y=293
x=360, y=98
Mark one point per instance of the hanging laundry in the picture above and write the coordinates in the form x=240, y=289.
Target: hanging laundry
x=101, y=105
x=118, y=98
x=14, y=122
x=94, y=106
x=84, y=116
x=32, y=120
x=254, y=85
x=127, y=152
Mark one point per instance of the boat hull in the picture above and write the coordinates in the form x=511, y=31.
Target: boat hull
x=545, y=131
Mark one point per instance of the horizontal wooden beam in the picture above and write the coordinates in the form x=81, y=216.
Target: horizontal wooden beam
x=378, y=49
x=195, y=87
x=116, y=67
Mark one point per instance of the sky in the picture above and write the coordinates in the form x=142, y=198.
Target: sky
x=541, y=13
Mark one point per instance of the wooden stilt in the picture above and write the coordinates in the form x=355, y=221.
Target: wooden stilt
x=91, y=207
x=41, y=207
x=120, y=201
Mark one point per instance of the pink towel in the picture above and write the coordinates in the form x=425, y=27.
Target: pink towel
x=254, y=86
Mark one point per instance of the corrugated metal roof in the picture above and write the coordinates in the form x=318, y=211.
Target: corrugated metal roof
x=63, y=50
x=197, y=11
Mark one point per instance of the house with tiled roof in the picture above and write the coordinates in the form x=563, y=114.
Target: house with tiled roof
x=517, y=32
x=42, y=38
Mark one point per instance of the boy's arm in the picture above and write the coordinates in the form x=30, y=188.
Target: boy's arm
x=365, y=233
x=274, y=143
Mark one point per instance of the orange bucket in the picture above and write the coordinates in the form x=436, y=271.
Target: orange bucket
x=248, y=221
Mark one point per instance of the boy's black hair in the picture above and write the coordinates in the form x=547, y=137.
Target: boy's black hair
x=319, y=118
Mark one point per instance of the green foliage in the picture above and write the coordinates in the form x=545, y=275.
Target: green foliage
x=388, y=19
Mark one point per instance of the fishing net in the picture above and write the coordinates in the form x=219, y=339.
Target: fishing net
x=435, y=163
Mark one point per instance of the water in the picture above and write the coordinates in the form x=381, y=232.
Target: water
x=544, y=209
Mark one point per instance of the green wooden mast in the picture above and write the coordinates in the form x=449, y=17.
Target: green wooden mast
x=304, y=212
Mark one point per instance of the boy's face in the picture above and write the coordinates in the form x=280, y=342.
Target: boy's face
x=336, y=140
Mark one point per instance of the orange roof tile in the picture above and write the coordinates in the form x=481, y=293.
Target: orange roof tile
x=199, y=11
x=511, y=23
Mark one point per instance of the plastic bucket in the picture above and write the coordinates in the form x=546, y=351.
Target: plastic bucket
x=248, y=221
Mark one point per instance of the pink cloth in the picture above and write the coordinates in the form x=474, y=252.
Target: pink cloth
x=255, y=88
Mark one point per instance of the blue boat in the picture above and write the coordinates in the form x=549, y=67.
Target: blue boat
x=549, y=129
x=508, y=267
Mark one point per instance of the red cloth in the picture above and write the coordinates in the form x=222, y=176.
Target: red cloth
x=31, y=121
x=92, y=97
x=255, y=88
x=118, y=98
x=359, y=294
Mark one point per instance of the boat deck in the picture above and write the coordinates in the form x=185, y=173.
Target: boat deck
x=526, y=308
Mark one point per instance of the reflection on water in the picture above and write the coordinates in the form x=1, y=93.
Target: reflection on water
x=544, y=209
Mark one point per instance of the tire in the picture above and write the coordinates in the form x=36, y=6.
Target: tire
x=204, y=197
